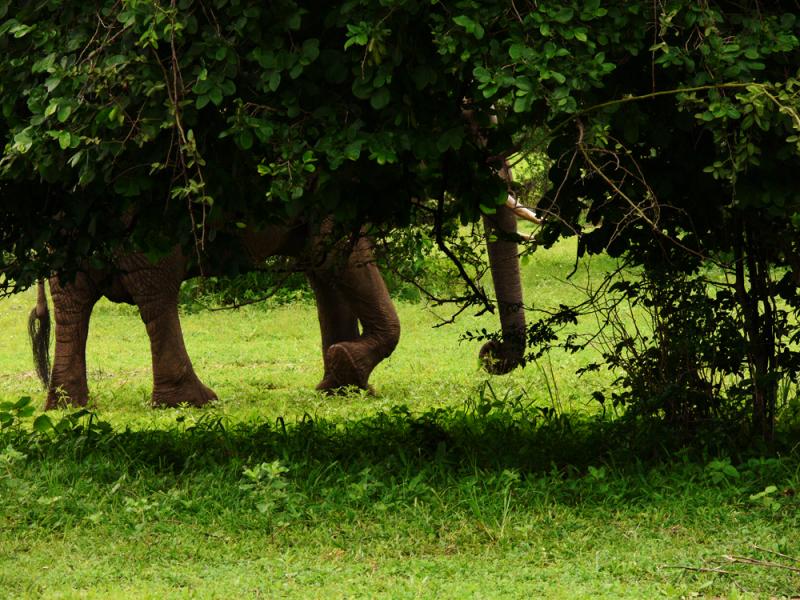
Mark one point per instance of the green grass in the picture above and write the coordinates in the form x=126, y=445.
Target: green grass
x=437, y=487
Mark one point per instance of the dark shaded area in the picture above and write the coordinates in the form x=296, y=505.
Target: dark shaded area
x=489, y=434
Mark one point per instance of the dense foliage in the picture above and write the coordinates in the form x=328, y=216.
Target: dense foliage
x=695, y=166
x=201, y=114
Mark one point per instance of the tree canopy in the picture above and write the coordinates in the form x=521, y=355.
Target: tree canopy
x=194, y=113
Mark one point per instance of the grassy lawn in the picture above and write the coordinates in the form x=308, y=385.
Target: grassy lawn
x=439, y=486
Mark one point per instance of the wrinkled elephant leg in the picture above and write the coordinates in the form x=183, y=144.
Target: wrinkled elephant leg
x=337, y=322
x=351, y=362
x=154, y=289
x=72, y=303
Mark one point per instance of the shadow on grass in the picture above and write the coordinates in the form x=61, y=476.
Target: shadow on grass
x=488, y=434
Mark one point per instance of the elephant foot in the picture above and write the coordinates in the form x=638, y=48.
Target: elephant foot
x=62, y=396
x=193, y=393
x=344, y=367
x=329, y=386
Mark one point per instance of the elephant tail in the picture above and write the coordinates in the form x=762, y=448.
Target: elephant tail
x=39, y=332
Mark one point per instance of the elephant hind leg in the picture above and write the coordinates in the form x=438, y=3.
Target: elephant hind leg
x=72, y=304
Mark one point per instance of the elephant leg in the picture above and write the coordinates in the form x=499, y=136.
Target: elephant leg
x=72, y=304
x=350, y=362
x=337, y=322
x=154, y=289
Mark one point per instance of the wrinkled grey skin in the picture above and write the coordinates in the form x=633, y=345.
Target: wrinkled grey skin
x=349, y=292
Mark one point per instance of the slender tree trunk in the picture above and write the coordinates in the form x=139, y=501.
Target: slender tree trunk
x=759, y=324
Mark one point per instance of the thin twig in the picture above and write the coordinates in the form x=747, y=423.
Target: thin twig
x=776, y=553
x=746, y=560
x=714, y=570
x=480, y=295
x=699, y=569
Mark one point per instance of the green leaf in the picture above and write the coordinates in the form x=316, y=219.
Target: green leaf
x=516, y=51
x=52, y=83
x=203, y=85
x=563, y=15
x=381, y=98
x=228, y=87
x=470, y=26
x=64, y=111
x=294, y=21
x=42, y=424
x=274, y=81
x=64, y=139
x=482, y=74
x=23, y=141
x=452, y=138
x=522, y=104
x=310, y=50
x=45, y=65
x=353, y=150
x=752, y=53
x=75, y=158
x=20, y=30
x=22, y=402
x=246, y=140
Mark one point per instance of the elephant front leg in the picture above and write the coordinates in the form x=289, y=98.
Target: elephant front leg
x=72, y=304
x=154, y=289
x=337, y=323
x=174, y=379
x=360, y=285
